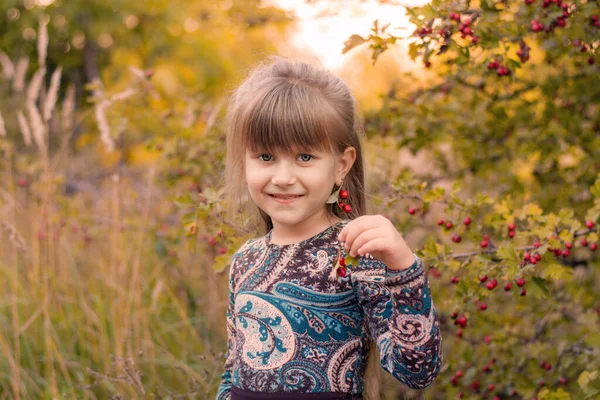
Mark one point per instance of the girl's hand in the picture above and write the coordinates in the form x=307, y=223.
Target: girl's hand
x=375, y=234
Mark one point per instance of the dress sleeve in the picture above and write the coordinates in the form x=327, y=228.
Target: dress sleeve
x=401, y=319
x=224, y=391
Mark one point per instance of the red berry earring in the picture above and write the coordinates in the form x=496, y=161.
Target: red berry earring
x=338, y=196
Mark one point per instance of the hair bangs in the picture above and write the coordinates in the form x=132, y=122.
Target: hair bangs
x=291, y=117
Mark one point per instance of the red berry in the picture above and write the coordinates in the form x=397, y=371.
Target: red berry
x=548, y=367
x=462, y=321
x=474, y=39
x=563, y=380
x=487, y=368
x=584, y=242
x=483, y=307
x=342, y=261
x=524, y=292
x=459, y=332
x=482, y=279
x=526, y=256
x=343, y=194
x=569, y=245
x=341, y=271
x=454, y=381
x=561, y=22
x=536, y=244
x=538, y=256
x=491, y=387
x=490, y=285
x=467, y=221
x=440, y=222
x=22, y=182
x=511, y=234
x=212, y=241
x=456, y=238
x=511, y=226
x=565, y=253
x=467, y=31
x=593, y=246
x=454, y=315
x=454, y=280
x=448, y=225
x=460, y=395
x=508, y=286
x=589, y=224
x=520, y=282
x=347, y=208
x=458, y=374
x=484, y=244
x=222, y=250
x=487, y=339
x=486, y=237
x=541, y=383
x=412, y=211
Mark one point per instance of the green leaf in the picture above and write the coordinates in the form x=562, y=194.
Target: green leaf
x=430, y=249
x=435, y=194
x=558, y=272
x=185, y=201
x=507, y=252
x=539, y=289
x=559, y=394
x=595, y=190
x=483, y=199
x=589, y=381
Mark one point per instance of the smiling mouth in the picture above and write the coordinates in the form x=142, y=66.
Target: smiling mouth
x=286, y=197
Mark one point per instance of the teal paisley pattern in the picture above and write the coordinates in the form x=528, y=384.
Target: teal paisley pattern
x=294, y=326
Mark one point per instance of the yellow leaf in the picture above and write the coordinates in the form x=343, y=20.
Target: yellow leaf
x=532, y=209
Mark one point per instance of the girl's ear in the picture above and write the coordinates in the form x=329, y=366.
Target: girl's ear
x=345, y=162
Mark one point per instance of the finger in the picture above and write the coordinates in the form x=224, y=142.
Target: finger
x=364, y=237
x=344, y=232
x=353, y=231
x=362, y=223
x=377, y=244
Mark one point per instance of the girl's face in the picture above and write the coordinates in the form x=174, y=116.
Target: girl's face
x=293, y=189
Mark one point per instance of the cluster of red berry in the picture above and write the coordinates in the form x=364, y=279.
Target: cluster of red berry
x=346, y=207
x=464, y=27
x=213, y=241
x=501, y=70
x=342, y=269
x=537, y=26
x=523, y=52
x=583, y=47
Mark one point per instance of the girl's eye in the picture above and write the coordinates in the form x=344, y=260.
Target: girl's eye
x=306, y=157
x=261, y=157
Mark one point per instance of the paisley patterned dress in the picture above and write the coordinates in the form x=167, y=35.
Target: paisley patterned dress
x=295, y=327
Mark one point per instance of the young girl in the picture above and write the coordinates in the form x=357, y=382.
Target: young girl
x=302, y=323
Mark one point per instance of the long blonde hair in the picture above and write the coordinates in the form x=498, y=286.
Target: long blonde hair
x=286, y=104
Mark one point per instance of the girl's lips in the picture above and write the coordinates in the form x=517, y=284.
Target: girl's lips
x=285, y=200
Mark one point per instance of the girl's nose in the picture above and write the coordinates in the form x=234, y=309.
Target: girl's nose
x=284, y=175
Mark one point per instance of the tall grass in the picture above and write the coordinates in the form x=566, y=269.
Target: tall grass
x=99, y=296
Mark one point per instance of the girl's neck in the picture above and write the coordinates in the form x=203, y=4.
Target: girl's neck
x=283, y=234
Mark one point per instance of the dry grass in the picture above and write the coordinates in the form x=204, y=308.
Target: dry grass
x=93, y=305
